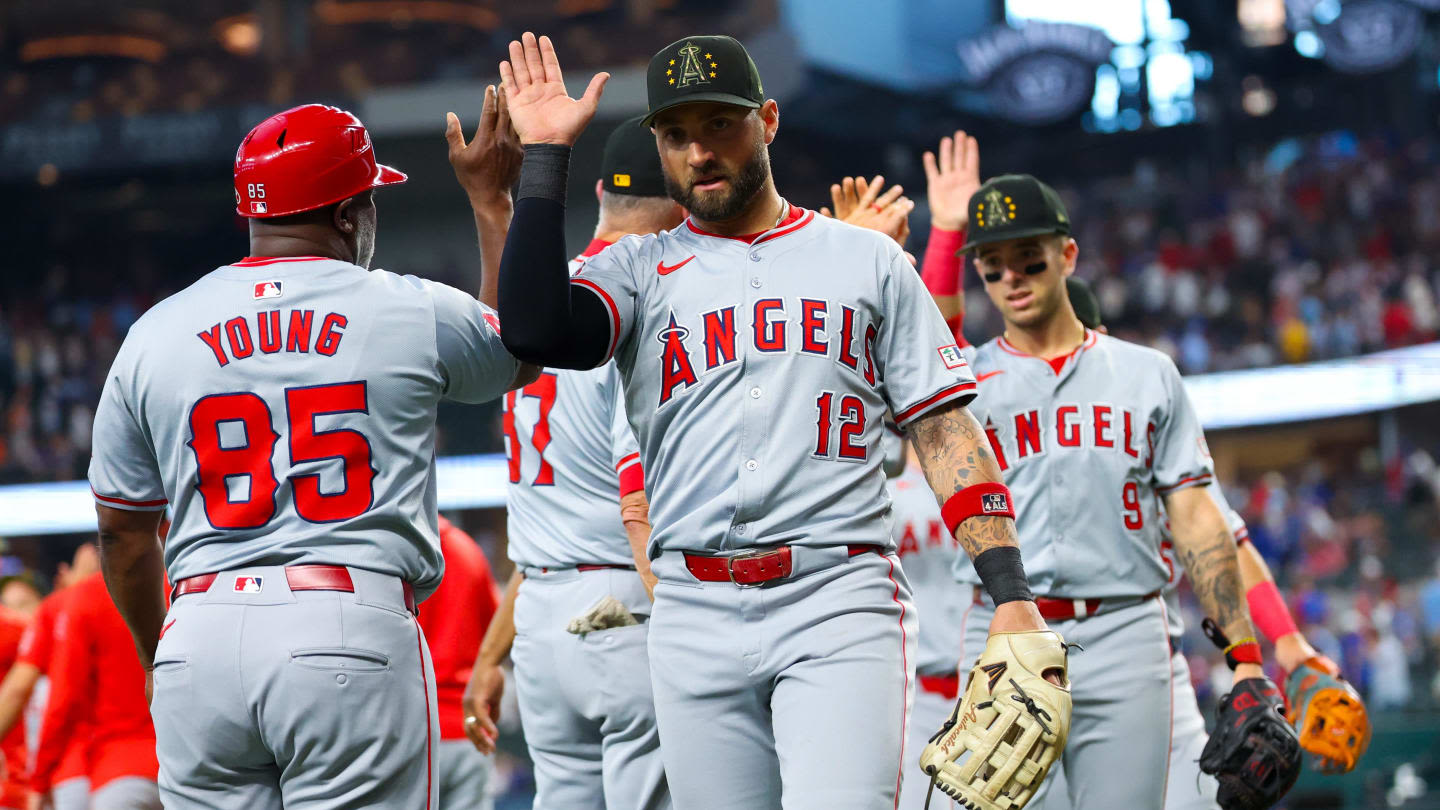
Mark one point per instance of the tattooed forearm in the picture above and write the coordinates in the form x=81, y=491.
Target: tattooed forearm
x=1206, y=549
x=955, y=454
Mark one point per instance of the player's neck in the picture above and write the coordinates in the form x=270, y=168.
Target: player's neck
x=1055, y=337
x=276, y=244
x=762, y=214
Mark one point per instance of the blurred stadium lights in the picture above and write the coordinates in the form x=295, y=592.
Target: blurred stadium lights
x=1262, y=22
x=1232, y=399
x=401, y=12
x=1256, y=98
x=239, y=35
x=128, y=46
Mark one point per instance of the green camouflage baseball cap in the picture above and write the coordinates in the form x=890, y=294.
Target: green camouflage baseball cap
x=703, y=68
x=1014, y=206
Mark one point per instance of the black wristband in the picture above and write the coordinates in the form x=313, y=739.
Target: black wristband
x=1003, y=574
x=544, y=171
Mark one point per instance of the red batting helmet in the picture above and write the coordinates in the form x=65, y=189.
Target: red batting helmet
x=305, y=158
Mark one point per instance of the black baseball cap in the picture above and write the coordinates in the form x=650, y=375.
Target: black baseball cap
x=1083, y=301
x=1014, y=206
x=702, y=68
x=631, y=163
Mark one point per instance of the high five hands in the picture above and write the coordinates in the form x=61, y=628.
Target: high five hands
x=540, y=109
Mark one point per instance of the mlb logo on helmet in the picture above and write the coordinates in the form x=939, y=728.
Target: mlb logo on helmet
x=994, y=503
x=258, y=207
x=267, y=289
x=248, y=584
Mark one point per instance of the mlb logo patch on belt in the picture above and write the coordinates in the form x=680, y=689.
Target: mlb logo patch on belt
x=248, y=584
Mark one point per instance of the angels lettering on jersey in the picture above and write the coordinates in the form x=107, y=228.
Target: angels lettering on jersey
x=769, y=330
x=1090, y=425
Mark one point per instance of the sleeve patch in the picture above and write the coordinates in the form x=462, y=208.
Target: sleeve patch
x=951, y=357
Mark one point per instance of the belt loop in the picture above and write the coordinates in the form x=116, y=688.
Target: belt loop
x=1080, y=608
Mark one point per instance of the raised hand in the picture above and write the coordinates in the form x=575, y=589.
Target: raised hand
x=490, y=164
x=951, y=180
x=539, y=107
x=861, y=203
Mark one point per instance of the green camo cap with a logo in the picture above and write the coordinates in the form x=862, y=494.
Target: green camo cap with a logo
x=705, y=68
x=1014, y=206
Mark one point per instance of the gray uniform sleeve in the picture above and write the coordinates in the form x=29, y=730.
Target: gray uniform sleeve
x=474, y=363
x=1180, y=458
x=626, y=451
x=920, y=366
x=124, y=472
x=608, y=276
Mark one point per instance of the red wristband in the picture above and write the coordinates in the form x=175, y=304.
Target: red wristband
x=941, y=269
x=1244, y=652
x=1268, y=611
x=980, y=500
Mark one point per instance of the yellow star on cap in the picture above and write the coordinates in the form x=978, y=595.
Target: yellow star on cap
x=712, y=74
x=672, y=61
x=707, y=56
x=668, y=72
x=672, y=81
x=712, y=64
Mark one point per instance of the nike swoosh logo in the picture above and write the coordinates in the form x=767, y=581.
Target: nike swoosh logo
x=665, y=271
x=979, y=378
x=167, y=626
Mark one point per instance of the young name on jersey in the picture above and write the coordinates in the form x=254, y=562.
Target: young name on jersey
x=235, y=339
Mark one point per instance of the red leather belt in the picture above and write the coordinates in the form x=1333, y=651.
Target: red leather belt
x=1059, y=610
x=946, y=686
x=299, y=577
x=752, y=567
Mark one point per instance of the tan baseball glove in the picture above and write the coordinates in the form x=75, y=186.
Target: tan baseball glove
x=1008, y=727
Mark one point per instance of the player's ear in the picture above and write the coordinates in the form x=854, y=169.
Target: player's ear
x=345, y=216
x=770, y=116
x=599, y=189
x=1070, y=250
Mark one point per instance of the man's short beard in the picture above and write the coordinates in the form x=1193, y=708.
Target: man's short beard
x=743, y=188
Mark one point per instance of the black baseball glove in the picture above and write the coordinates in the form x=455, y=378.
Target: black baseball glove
x=1253, y=751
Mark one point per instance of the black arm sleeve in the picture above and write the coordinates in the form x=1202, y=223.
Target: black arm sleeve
x=546, y=321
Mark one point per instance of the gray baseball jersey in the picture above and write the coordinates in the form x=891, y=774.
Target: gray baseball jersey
x=757, y=374
x=1089, y=445
x=569, y=448
x=928, y=551
x=284, y=409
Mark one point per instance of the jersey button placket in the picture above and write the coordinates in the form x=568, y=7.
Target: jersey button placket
x=751, y=487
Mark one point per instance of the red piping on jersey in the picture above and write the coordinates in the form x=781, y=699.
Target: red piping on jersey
x=595, y=246
x=1057, y=364
x=632, y=475
x=1242, y=535
x=1203, y=478
x=260, y=261
x=929, y=402
x=614, y=313
x=425, y=685
x=124, y=502
x=905, y=679
x=795, y=219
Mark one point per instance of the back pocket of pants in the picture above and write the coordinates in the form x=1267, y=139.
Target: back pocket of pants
x=340, y=659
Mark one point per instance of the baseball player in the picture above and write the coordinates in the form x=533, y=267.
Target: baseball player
x=759, y=347
x=578, y=607
x=70, y=786
x=454, y=619
x=283, y=407
x=1095, y=435
x=98, y=679
x=15, y=791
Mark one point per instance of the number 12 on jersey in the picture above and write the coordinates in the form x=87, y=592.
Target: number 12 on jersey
x=849, y=412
